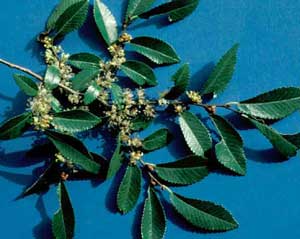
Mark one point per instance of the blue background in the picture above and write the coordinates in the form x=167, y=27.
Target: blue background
x=265, y=201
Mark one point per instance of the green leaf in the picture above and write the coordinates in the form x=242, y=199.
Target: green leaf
x=285, y=147
x=15, y=127
x=84, y=61
x=154, y=218
x=157, y=140
x=55, y=104
x=181, y=80
x=129, y=189
x=222, y=73
x=176, y=9
x=106, y=22
x=68, y=16
x=43, y=182
x=75, y=121
x=52, y=77
x=26, y=84
x=229, y=150
x=203, y=214
x=276, y=104
x=116, y=161
x=140, y=123
x=92, y=93
x=185, y=171
x=156, y=50
x=83, y=79
x=139, y=72
x=73, y=150
x=293, y=138
x=63, y=222
x=137, y=7
x=117, y=94
x=195, y=133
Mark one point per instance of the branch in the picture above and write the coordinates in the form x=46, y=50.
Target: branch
x=35, y=75
x=20, y=68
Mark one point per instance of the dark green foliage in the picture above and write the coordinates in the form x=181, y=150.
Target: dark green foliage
x=129, y=189
x=181, y=82
x=63, y=222
x=185, y=171
x=229, y=150
x=84, y=61
x=157, y=140
x=156, y=50
x=195, y=133
x=154, y=218
x=15, y=127
x=26, y=84
x=73, y=150
x=222, y=73
x=202, y=214
x=175, y=10
x=139, y=72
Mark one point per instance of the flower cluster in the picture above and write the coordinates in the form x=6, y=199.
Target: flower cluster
x=194, y=96
x=54, y=55
x=40, y=107
x=121, y=116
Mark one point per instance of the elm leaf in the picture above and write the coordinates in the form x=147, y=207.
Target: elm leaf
x=129, y=189
x=52, y=77
x=63, y=223
x=175, y=9
x=203, y=214
x=116, y=161
x=275, y=104
x=82, y=80
x=92, y=93
x=15, y=127
x=154, y=218
x=68, y=16
x=84, y=61
x=157, y=140
x=139, y=72
x=137, y=7
x=106, y=22
x=229, y=150
x=293, y=138
x=195, y=133
x=181, y=81
x=156, y=50
x=26, y=84
x=185, y=171
x=285, y=147
x=222, y=73
x=75, y=121
x=73, y=150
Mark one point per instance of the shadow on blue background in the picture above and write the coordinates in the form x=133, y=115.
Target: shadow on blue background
x=265, y=201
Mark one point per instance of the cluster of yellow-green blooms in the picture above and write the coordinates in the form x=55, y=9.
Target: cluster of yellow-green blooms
x=117, y=51
x=40, y=106
x=54, y=55
x=133, y=105
x=194, y=96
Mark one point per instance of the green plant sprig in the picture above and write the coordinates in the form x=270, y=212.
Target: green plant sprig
x=82, y=92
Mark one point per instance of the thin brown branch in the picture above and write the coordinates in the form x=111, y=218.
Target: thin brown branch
x=20, y=68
